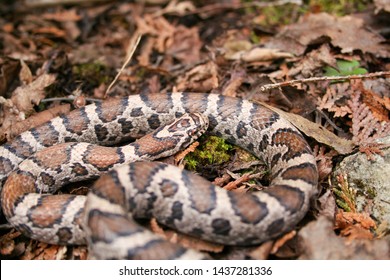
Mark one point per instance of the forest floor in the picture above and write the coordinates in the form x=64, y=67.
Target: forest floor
x=331, y=60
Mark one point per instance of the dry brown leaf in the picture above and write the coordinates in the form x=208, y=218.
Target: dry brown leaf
x=233, y=84
x=235, y=48
x=382, y=5
x=264, y=54
x=202, y=78
x=175, y=8
x=313, y=61
x=316, y=131
x=25, y=97
x=185, y=45
x=193, y=242
x=51, y=30
x=327, y=205
x=379, y=106
x=25, y=74
x=324, y=161
x=319, y=242
x=345, y=32
x=8, y=72
x=63, y=16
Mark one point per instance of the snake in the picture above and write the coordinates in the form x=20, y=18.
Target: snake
x=108, y=218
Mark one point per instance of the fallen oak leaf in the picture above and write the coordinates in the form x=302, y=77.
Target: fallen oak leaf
x=202, y=78
x=25, y=97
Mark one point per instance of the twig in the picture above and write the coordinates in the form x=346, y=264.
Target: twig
x=69, y=98
x=318, y=79
x=129, y=56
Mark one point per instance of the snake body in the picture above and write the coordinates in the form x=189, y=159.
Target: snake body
x=176, y=198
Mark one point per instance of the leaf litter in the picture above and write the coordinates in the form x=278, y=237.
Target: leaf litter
x=65, y=53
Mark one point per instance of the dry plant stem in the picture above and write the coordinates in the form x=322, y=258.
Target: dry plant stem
x=129, y=56
x=69, y=98
x=222, y=6
x=244, y=178
x=318, y=79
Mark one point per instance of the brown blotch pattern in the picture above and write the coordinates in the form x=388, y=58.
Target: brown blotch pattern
x=297, y=145
x=291, y=198
x=262, y=118
x=108, y=187
x=195, y=103
x=47, y=179
x=6, y=166
x=110, y=109
x=21, y=148
x=64, y=235
x=54, y=157
x=46, y=135
x=202, y=193
x=150, y=145
x=106, y=226
x=248, y=207
x=168, y=188
x=140, y=174
x=76, y=122
x=306, y=172
x=79, y=170
x=276, y=227
x=102, y=157
x=49, y=210
x=157, y=250
x=228, y=107
x=157, y=103
x=14, y=188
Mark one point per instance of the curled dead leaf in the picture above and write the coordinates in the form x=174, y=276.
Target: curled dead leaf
x=264, y=54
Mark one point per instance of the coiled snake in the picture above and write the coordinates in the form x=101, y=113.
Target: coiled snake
x=176, y=198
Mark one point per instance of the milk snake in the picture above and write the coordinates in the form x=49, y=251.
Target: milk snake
x=176, y=198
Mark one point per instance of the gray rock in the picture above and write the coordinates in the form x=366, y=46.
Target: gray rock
x=371, y=180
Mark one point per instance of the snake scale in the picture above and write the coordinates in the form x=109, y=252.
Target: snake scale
x=176, y=198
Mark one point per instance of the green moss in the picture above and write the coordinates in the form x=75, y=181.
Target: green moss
x=213, y=150
x=95, y=73
x=275, y=15
x=371, y=193
x=340, y=8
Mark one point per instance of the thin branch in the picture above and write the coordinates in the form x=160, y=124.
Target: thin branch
x=129, y=56
x=333, y=78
